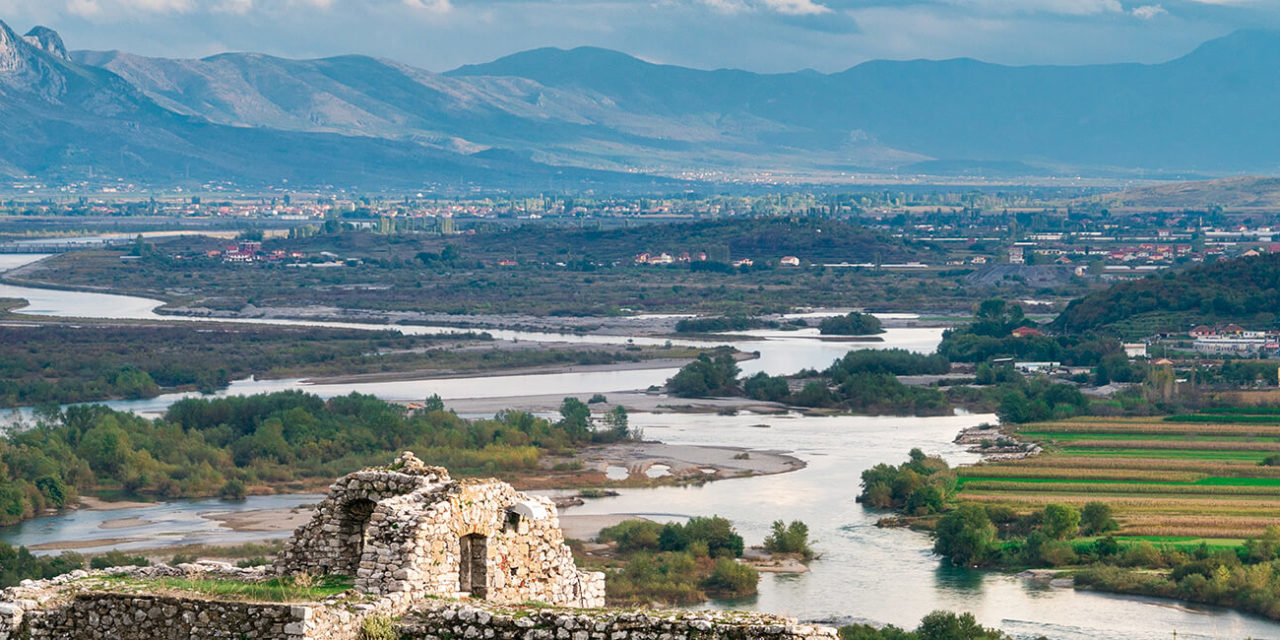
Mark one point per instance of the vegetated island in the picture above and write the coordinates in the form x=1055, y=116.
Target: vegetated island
x=44, y=362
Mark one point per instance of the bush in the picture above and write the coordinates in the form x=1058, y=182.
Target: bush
x=789, y=538
x=116, y=558
x=1096, y=519
x=706, y=376
x=633, y=535
x=233, y=490
x=852, y=324
x=731, y=579
x=1059, y=521
x=378, y=627
x=966, y=536
x=763, y=386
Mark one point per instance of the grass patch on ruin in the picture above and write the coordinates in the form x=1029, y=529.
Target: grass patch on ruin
x=282, y=589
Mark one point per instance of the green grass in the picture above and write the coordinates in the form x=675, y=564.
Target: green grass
x=1182, y=542
x=1157, y=437
x=1175, y=454
x=286, y=589
x=1213, y=481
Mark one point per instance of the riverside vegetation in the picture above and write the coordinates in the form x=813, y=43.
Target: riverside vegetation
x=228, y=446
x=60, y=364
x=675, y=563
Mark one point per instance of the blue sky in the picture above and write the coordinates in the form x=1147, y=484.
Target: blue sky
x=760, y=35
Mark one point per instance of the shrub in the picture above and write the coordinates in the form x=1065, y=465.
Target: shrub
x=789, y=538
x=116, y=558
x=966, y=536
x=1096, y=519
x=731, y=579
x=378, y=628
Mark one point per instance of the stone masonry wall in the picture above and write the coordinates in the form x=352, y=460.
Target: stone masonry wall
x=333, y=542
x=402, y=530
x=464, y=622
x=524, y=559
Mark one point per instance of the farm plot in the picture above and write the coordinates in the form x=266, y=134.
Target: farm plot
x=1211, y=475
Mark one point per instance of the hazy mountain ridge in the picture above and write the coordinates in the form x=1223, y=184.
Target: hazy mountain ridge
x=1215, y=110
x=62, y=120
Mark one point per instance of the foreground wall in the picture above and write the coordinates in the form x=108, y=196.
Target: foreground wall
x=460, y=621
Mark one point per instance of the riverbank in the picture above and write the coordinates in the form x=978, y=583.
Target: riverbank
x=642, y=464
x=438, y=374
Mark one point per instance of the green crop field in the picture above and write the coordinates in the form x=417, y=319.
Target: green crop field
x=1195, y=479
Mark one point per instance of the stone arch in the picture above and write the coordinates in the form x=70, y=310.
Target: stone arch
x=473, y=565
x=353, y=525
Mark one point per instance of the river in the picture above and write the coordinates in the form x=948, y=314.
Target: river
x=865, y=573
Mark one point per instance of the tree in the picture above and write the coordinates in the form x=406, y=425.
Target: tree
x=706, y=376
x=944, y=625
x=1096, y=519
x=966, y=536
x=616, y=424
x=852, y=324
x=789, y=538
x=575, y=419
x=763, y=386
x=1059, y=521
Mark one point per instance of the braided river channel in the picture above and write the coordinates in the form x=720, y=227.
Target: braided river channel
x=864, y=574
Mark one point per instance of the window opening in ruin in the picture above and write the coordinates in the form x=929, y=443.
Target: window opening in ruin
x=472, y=557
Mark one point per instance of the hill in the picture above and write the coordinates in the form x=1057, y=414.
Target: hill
x=1245, y=291
x=538, y=117
x=65, y=121
x=1238, y=192
x=1214, y=110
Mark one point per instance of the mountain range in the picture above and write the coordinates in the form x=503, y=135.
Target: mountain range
x=587, y=116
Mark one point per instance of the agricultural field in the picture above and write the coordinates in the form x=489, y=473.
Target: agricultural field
x=1212, y=476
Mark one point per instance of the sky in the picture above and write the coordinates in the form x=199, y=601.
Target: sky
x=758, y=35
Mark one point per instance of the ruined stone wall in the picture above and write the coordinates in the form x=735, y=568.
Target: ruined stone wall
x=80, y=606
x=333, y=541
x=91, y=616
x=418, y=538
x=460, y=621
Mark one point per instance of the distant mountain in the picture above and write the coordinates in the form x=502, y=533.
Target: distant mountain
x=1243, y=191
x=1216, y=109
x=62, y=120
x=1213, y=111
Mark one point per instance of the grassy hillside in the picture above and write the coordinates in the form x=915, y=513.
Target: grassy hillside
x=1236, y=192
x=1245, y=291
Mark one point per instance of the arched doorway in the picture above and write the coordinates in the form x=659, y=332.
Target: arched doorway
x=352, y=525
x=473, y=558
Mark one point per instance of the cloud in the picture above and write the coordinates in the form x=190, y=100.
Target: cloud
x=238, y=7
x=796, y=7
x=435, y=6
x=1059, y=7
x=94, y=8
x=783, y=7
x=1149, y=11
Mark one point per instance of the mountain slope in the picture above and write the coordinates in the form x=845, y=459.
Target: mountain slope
x=1239, y=192
x=63, y=120
x=1215, y=109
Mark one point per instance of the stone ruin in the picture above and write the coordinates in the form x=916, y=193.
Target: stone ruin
x=412, y=529
x=417, y=544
